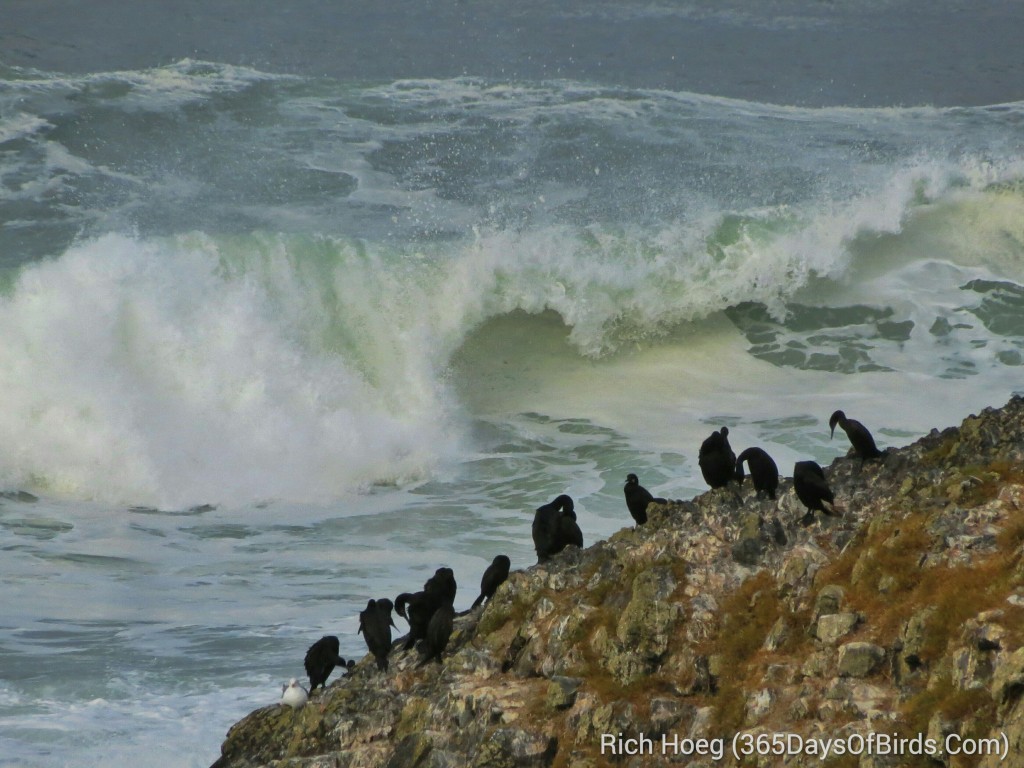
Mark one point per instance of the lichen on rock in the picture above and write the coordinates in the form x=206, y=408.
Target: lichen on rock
x=904, y=615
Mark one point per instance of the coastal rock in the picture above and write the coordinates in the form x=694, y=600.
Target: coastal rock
x=860, y=659
x=707, y=620
x=830, y=629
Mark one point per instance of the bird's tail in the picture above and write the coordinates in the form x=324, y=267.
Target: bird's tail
x=477, y=601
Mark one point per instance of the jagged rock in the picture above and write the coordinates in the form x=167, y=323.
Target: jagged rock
x=818, y=664
x=971, y=668
x=411, y=752
x=750, y=546
x=1008, y=680
x=626, y=636
x=778, y=635
x=831, y=628
x=829, y=600
x=515, y=748
x=860, y=659
x=562, y=692
x=984, y=632
x=912, y=640
x=759, y=704
x=643, y=629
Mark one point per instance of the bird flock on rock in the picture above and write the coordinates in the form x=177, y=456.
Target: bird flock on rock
x=430, y=613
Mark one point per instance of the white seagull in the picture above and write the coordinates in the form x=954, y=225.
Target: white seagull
x=293, y=694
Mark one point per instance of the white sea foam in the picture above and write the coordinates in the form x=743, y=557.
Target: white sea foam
x=198, y=369
x=137, y=372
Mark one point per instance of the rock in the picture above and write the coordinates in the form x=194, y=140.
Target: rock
x=644, y=628
x=912, y=640
x=515, y=748
x=749, y=548
x=778, y=635
x=689, y=624
x=829, y=600
x=1008, y=680
x=860, y=659
x=759, y=704
x=562, y=692
x=831, y=628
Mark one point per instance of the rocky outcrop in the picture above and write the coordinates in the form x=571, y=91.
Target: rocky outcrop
x=901, y=620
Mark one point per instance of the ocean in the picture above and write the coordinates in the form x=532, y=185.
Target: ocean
x=301, y=301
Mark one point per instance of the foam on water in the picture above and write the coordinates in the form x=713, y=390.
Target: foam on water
x=192, y=369
x=374, y=325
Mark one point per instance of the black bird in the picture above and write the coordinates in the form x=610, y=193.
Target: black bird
x=861, y=440
x=442, y=584
x=554, y=528
x=493, y=578
x=321, y=659
x=569, y=530
x=438, y=633
x=637, y=498
x=812, y=489
x=418, y=607
x=375, y=623
x=763, y=471
x=716, y=459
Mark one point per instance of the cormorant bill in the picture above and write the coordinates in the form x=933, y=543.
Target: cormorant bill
x=547, y=525
x=375, y=623
x=494, y=577
x=763, y=471
x=716, y=459
x=321, y=659
x=637, y=498
x=861, y=440
x=438, y=633
x=294, y=695
x=812, y=489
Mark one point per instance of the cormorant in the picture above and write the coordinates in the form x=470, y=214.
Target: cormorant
x=418, y=607
x=763, y=471
x=438, y=632
x=812, y=489
x=375, y=623
x=321, y=659
x=716, y=459
x=493, y=578
x=547, y=523
x=637, y=498
x=861, y=440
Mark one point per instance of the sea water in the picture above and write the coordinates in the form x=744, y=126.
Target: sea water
x=277, y=340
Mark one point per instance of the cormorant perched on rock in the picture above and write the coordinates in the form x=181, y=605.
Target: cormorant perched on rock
x=442, y=583
x=763, y=471
x=418, y=607
x=321, y=659
x=861, y=440
x=554, y=528
x=569, y=530
x=716, y=459
x=812, y=489
x=294, y=695
x=493, y=578
x=438, y=632
x=637, y=498
x=375, y=623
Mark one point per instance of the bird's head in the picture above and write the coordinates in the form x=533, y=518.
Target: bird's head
x=836, y=418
